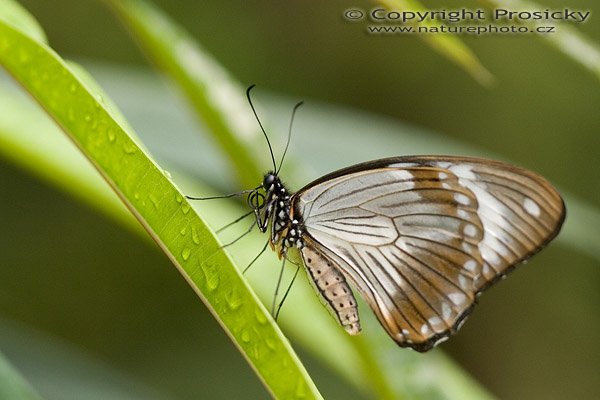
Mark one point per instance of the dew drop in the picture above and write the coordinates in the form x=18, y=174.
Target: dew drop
x=211, y=272
x=300, y=389
x=260, y=316
x=111, y=135
x=185, y=208
x=136, y=195
x=178, y=198
x=186, y=254
x=129, y=148
x=154, y=200
x=256, y=351
x=245, y=336
x=167, y=173
x=271, y=344
x=73, y=87
x=183, y=231
x=195, y=236
x=233, y=300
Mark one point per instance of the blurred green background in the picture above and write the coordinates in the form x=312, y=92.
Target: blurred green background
x=534, y=336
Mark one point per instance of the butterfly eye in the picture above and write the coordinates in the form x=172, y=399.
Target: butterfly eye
x=268, y=180
x=256, y=200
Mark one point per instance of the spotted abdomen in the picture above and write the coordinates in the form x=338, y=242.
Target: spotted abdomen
x=332, y=288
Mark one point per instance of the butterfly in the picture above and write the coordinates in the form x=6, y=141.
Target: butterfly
x=419, y=237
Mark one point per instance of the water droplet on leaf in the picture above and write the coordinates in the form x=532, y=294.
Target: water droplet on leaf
x=154, y=200
x=211, y=272
x=245, y=336
x=195, y=236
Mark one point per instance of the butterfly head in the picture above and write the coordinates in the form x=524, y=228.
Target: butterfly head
x=269, y=180
x=273, y=205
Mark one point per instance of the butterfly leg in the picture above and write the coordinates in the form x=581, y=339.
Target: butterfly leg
x=277, y=288
x=287, y=291
x=241, y=236
x=256, y=258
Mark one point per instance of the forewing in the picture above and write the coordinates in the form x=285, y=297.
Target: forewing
x=420, y=237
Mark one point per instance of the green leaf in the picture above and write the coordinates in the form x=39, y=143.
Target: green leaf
x=447, y=45
x=565, y=38
x=13, y=13
x=158, y=205
x=12, y=385
x=216, y=98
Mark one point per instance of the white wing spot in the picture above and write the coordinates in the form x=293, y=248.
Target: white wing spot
x=462, y=199
x=486, y=269
x=457, y=298
x=463, y=282
x=425, y=329
x=435, y=322
x=463, y=171
x=531, y=207
x=470, y=265
x=442, y=175
x=441, y=340
x=446, y=310
x=470, y=230
x=490, y=256
x=402, y=174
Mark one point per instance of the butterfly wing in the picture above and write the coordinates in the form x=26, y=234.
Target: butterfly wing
x=421, y=237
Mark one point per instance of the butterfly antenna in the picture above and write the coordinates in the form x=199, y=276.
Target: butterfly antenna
x=261, y=127
x=287, y=144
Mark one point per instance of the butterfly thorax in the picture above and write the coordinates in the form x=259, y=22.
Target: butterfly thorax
x=286, y=230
